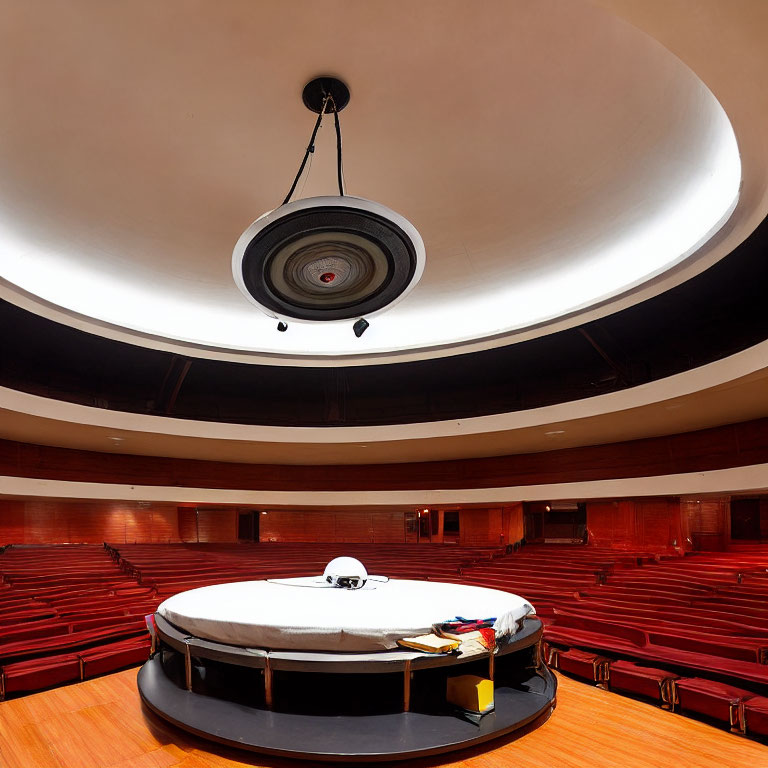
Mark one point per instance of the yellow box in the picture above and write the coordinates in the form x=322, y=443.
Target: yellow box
x=470, y=692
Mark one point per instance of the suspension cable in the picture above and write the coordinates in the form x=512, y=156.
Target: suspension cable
x=311, y=147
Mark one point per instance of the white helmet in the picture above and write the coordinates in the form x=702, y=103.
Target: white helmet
x=345, y=572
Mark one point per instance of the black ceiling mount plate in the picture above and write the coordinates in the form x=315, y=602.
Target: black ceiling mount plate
x=315, y=91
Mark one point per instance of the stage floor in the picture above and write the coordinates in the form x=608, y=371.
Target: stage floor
x=101, y=724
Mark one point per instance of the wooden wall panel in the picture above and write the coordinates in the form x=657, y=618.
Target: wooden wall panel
x=512, y=523
x=218, y=525
x=353, y=527
x=707, y=523
x=11, y=522
x=187, y=523
x=636, y=523
x=57, y=522
x=343, y=525
x=611, y=523
x=284, y=525
x=481, y=527
x=207, y=525
x=728, y=446
x=658, y=523
x=388, y=527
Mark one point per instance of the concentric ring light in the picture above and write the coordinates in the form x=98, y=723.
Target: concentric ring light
x=328, y=258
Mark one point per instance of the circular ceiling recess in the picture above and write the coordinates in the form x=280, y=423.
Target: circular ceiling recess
x=604, y=174
x=328, y=258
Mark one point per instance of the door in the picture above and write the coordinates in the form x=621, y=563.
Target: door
x=745, y=519
x=425, y=527
x=451, y=530
x=248, y=525
x=411, y=528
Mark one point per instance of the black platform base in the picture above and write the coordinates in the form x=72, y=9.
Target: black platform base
x=394, y=736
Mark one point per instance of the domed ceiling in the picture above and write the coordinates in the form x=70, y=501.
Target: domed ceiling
x=554, y=158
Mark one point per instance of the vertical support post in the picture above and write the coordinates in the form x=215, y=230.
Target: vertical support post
x=187, y=665
x=268, y=700
x=491, y=665
x=441, y=525
x=407, y=686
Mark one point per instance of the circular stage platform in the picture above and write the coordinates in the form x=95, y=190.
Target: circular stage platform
x=363, y=705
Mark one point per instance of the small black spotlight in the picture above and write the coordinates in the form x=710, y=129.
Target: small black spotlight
x=360, y=327
x=282, y=327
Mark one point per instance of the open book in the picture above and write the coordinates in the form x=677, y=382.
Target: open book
x=430, y=643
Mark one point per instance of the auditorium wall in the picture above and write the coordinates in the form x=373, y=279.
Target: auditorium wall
x=35, y=521
x=380, y=527
x=655, y=523
x=496, y=526
x=707, y=523
x=207, y=525
x=629, y=523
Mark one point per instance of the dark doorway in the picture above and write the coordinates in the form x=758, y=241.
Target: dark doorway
x=555, y=522
x=451, y=526
x=248, y=525
x=745, y=519
x=411, y=527
x=425, y=527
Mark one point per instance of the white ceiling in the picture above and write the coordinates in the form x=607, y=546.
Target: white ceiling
x=552, y=156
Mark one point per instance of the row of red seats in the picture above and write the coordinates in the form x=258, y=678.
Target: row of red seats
x=635, y=603
x=662, y=610
x=47, y=671
x=67, y=612
x=701, y=653
x=702, y=616
x=173, y=568
x=741, y=710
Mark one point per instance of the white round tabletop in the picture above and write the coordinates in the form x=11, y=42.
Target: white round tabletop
x=309, y=615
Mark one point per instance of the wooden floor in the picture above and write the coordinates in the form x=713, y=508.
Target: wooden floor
x=101, y=724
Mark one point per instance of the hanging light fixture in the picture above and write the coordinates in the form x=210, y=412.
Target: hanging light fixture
x=329, y=258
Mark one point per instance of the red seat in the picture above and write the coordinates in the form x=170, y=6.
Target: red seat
x=36, y=674
x=628, y=677
x=755, y=716
x=711, y=699
x=17, y=651
x=109, y=658
x=580, y=664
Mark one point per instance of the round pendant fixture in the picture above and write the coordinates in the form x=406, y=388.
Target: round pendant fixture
x=327, y=258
